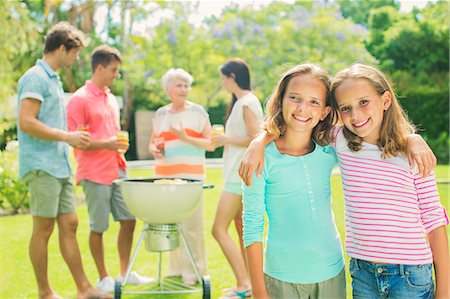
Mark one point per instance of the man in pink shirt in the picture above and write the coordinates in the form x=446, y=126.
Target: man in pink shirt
x=94, y=108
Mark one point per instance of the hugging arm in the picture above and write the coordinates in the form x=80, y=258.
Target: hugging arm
x=254, y=157
x=419, y=152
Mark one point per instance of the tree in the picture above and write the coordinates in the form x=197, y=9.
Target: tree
x=413, y=49
x=358, y=10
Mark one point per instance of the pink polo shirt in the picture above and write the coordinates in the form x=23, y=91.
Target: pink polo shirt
x=97, y=109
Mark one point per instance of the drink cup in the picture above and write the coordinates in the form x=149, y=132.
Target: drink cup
x=83, y=127
x=160, y=144
x=218, y=129
x=123, y=137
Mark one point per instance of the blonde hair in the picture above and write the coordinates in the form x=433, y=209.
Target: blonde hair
x=276, y=125
x=395, y=126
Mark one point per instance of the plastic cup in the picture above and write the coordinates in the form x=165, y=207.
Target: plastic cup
x=218, y=129
x=84, y=128
x=123, y=137
x=160, y=143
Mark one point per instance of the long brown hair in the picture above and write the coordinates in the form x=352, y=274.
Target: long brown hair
x=238, y=69
x=275, y=123
x=395, y=126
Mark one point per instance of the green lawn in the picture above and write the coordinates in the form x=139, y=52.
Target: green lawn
x=16, y=275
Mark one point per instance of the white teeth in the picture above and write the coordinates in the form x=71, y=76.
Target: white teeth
x=361, y=123
x=301, y=118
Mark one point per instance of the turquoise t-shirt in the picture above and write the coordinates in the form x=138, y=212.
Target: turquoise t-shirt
x=303, y=244
x=41, y=83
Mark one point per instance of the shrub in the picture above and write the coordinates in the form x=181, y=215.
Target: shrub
x=441, y=147
x=14, y=194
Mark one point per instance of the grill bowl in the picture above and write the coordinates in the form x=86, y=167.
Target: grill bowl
x=161, y=203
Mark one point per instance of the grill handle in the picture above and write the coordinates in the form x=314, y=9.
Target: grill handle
x=208, y=186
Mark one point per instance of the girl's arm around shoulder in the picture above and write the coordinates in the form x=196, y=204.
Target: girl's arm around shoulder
x=419, y=152
x=254, y=254
x=254, y=157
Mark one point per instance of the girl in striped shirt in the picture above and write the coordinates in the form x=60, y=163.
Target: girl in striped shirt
x=389, y=208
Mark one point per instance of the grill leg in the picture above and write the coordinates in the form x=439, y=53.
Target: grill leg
x=133, y=257
x=159, y=270
x=190, y=255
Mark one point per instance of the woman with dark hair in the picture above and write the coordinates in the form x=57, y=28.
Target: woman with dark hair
x=243, y=120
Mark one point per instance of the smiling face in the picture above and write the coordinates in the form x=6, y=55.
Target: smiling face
x=178, y=90
x=304, y=103
x=361, y=108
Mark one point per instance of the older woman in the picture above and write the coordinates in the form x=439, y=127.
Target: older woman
x=180, y=136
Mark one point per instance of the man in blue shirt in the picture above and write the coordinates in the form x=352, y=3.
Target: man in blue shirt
x=43, y=158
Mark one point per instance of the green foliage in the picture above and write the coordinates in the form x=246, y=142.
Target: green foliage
x=427, y=108
x=413, y=48
x=359, y=10
x=441, y=147
x=404, y=41
x=7, y=132
x=13, y=192
x=18, y=38
x=217, y=116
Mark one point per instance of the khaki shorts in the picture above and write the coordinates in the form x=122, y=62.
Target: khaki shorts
x=49, y=196
x=333, y=288
x=103, y=199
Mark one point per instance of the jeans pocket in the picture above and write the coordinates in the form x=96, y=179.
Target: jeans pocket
x=419, y=276
x=353, y=267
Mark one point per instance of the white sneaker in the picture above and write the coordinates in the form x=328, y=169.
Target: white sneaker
x=135, y=278
x=106, y=284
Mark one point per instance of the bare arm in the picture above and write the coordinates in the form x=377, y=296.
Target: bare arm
x=439, y=247
x=203, y=142
x=30, y=124
x=418, y=151
x=254, y=255
x=254, y=157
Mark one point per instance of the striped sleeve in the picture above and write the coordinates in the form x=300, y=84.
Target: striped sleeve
x=432, y=213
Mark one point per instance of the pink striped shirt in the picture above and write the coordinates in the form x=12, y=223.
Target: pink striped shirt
x=389, y=208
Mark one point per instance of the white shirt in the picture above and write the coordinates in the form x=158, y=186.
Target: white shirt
x=235, y=127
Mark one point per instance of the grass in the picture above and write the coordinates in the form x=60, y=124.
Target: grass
x=16, y=275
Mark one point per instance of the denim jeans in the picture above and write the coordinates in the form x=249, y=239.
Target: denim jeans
x=370, y=280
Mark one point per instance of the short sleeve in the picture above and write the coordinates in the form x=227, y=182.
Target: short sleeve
x=254, y=106
x=32, y=86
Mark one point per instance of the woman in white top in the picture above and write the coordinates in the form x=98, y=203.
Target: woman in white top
x=244, y=117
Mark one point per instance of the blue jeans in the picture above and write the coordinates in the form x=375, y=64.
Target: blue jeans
x=370, y=280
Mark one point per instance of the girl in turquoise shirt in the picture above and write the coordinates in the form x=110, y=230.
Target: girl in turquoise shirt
x=303, y=256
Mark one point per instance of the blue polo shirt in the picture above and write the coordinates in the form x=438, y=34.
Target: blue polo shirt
x=42, y=83
x=303, y=244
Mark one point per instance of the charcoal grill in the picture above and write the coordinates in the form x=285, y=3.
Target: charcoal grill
x=162, y=206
